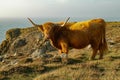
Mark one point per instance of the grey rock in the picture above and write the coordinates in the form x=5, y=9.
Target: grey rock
x=38, y=53
x=20, y=43
x=1, y=58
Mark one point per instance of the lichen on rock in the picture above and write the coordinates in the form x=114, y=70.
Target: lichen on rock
x=23, y=40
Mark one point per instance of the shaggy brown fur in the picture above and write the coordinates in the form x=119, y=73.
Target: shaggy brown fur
x=77, y=35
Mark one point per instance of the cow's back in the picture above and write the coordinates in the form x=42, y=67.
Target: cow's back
x=82, y=34
x=96, y=28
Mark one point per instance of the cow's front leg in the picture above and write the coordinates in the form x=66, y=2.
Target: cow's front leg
x=64, y=53
x=64, y=57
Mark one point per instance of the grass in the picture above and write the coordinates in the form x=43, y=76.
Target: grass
x=86, y=70
x=83, y=69
x=80, y=67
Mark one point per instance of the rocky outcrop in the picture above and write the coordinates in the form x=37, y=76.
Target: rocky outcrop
x=24, y=41
x=13, y=33
x=4, y=47
x=20, y=52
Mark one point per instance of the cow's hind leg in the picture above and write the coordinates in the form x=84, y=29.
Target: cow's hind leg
x=95, y=50
x=103, y=49
x=101, y=52
x=93, y=54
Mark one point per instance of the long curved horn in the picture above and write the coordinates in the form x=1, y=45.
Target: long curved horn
x=65, y=22
x=32, y=22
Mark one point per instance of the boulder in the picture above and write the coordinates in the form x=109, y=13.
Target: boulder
x=25, y=41
x=20, y=42
x=12, y=33
x=4, y=46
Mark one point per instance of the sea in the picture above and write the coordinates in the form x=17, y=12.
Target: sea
x=9, y=23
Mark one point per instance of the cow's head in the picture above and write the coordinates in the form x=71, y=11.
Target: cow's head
x=47, y=28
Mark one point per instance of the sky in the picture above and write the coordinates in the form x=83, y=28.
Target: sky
x=59, y=8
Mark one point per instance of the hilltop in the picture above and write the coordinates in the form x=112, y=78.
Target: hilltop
x=21, y=59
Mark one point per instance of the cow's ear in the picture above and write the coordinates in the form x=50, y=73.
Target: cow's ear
x=40, y=28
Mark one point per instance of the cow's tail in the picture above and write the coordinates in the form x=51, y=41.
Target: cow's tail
x=103, y=43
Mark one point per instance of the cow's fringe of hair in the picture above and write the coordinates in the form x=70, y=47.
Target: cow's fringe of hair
x=103, y=45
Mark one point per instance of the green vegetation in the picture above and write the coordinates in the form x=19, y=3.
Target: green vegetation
x=79, y=68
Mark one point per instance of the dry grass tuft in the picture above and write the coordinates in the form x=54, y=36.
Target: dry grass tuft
x=80, y=67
